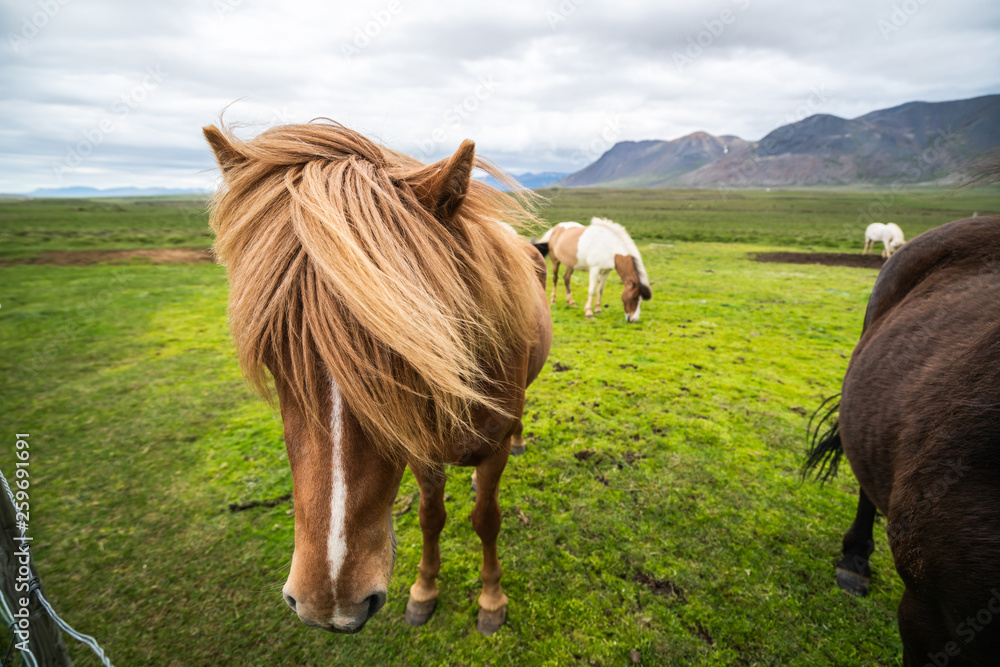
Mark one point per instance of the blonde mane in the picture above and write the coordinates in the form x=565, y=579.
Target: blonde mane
x=629, y=244
x=337, y=270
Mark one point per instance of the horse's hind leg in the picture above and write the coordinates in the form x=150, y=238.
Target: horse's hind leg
x=926, y=638
x=853, y=572
x=486, y=520
x=424, y=593
x=555, y=278
x=569, y=294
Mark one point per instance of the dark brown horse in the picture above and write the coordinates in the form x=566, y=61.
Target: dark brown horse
x=919, y=421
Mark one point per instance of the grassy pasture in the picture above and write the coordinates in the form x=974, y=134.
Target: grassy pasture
x=823, y=219
x=29, y=227
x=658, y=507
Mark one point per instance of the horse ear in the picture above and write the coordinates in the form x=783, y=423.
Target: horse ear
x=441, y=188
x=225, y=153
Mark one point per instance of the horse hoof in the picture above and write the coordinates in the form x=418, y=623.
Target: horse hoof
x=853, y=583
x=417, y=613
x=490, y=621
x=589, y=315
x=517, y=450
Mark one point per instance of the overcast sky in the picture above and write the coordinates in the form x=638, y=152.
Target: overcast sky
x=109, y=93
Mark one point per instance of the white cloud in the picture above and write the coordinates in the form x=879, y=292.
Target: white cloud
x=538, y=84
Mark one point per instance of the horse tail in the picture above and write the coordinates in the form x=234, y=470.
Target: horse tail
x=542, y=248
x=826, y=449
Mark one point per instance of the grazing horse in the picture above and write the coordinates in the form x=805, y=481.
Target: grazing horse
x=889, y=235
x=401, y=324
x=919, y=421
x=601, y=247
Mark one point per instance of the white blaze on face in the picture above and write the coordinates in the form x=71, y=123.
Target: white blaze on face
x=336, y=544
x=634, y=317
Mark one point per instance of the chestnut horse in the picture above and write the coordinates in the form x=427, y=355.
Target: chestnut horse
x=401, y=324
x=601, y=247
x=919, y=421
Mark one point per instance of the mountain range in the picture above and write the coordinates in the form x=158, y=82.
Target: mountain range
x=530, y=181
x=915, y=143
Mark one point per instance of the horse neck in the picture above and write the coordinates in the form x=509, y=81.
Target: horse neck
x=628, y=269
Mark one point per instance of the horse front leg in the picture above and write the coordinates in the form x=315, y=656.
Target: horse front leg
x=595, y=275
x=486, y=520
x=600, y=291
x=569, y=294
x=517, y=445
x=424, y=593
x=853, y=572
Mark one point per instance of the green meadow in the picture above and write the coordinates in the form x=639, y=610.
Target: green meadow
x=658, y=513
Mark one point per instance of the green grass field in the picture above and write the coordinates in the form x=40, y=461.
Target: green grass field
x=29, y=227
x=658, y=507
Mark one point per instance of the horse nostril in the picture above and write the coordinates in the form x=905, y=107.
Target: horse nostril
x=375, y=602
x=290, y=600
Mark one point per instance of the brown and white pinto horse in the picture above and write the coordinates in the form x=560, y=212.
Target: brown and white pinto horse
x=401, y=324
x=599, y=248
x=919, y=421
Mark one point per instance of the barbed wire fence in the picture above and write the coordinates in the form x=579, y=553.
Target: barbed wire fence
x=36, y=629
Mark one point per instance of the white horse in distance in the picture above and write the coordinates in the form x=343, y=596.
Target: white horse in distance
x=600, y=248
x=889, y=235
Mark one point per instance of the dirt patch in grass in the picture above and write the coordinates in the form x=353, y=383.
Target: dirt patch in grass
x=85, y=257
x=856, y=261
x=660, y=586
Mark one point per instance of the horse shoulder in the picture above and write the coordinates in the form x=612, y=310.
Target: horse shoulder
x=598, y=247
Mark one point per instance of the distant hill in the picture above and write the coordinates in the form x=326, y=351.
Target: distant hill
x=915, y=143
x=81, y=192
x=530, y=181
x=643, y=164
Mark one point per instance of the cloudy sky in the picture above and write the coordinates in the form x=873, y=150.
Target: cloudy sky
x=110, y=93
